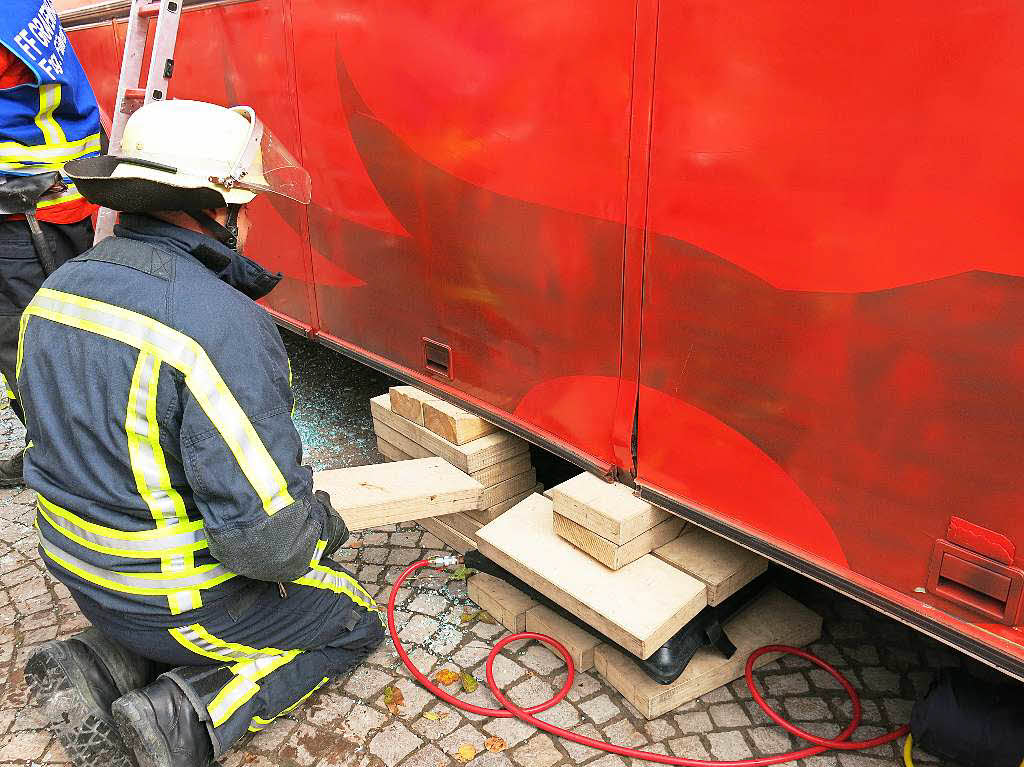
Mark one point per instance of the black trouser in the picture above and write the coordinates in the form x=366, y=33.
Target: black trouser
x=21, y=275
x=247, y=662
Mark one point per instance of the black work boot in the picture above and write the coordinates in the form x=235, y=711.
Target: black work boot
x=161, y=728
x=12, y=470
x=76, y=681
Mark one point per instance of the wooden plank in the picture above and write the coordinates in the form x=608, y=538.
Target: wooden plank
x=487, y=476
x=488, y=515
x=606, y=552
x=607, y=508
x=721, y=564
x=580, y=643
x=462, y=523
x=407, y=401
x=774, y=619
x=383, y=493
x=390, y=452
x=501, y=492
x=473, y=456
x=453, y=423
x=639, y=606
x=506, y=603
x=444, y=533
x=403, y=443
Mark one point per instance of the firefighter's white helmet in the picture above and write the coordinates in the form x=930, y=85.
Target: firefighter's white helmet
x=182, y=155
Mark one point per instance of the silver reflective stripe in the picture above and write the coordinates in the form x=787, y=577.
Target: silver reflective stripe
x=132, y=583
x=220, y=650
x=234, y=695
x=201, y=377
x=145, y=549
x=138, y=426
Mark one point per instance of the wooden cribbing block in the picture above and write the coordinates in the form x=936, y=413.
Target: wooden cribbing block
x=480, y=453
x=489, y=476
x=382, y=493
x=607, y=508
x=446, y=534
x=774, y=619
x=580, y=643
x=506, y=603
x=407, y=401
x=639, y=606
x=606, y=552
x=510, y=488
x=463, y=523
x=721, y=564
x=453, y=423
x=403, y=443
x=487, y=515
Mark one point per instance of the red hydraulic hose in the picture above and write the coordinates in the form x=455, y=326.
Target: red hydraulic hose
x=840, y=742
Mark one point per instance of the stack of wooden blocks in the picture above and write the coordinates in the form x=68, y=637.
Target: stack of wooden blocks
x=410, y=423
x=637, y=576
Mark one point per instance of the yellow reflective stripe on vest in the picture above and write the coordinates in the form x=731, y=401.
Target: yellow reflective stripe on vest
x=185, y=355
x=57, y=153
x=144, y=584
x=150, y=471
x=49, y=100
x=258, y=722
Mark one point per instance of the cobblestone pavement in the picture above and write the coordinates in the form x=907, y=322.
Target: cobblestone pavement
x=348, y=722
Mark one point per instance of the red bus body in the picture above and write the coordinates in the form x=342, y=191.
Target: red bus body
x=764, y=259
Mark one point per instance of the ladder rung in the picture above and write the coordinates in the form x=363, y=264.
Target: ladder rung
x=134, y=94
x=151, y=9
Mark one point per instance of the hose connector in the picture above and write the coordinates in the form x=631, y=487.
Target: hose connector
x=446, y=561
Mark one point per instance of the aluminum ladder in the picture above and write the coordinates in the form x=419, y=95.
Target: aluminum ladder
x=161, y=67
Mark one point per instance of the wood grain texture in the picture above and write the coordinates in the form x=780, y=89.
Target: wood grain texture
x=721, y=564
x=503, y=491
x=489, y=476
x=774, y=619
x=407, y=401
x=487, y=515
x=453, y=423
x=463, y=523
x=580, y=643
x=473, y=456
x=607, y=508
x=384, y=493
x=606, y=552
x=447, y=535
x=506, y=603
x=639, y=606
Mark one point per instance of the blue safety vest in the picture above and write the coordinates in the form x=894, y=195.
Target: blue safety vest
x=47, y=123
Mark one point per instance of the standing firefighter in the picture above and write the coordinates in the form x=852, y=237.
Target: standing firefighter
x=171, y=499
x=48, y=115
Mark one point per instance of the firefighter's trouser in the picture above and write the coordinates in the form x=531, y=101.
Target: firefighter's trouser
x=258, y=657
x=21, y=274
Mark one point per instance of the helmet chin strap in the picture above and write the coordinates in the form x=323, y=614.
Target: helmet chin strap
x=226, y=233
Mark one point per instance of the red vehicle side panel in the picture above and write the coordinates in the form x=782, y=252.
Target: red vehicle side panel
x=833, y=321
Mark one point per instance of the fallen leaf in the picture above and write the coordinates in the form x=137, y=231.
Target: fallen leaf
x=467, y=617
x=461, y=573
x=393, y=699
x=485, y=617
x=469, y=683
x=355, y=543
x=495, y=744
x=446, y=677
x=433, y=716
x=465, y=753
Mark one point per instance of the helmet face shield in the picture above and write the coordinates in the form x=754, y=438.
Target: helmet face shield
x=266, y=165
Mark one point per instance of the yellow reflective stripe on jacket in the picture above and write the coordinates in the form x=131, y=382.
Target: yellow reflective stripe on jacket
x=186, y=355
x=144, y=584
x=157, y=539
x=49, y=100
x=150, y=471
x=258, y=722
x=175, y=545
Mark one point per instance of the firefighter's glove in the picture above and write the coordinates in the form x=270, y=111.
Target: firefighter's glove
x=335, y=529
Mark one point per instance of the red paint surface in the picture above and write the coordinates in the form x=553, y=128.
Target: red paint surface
x=789, y=232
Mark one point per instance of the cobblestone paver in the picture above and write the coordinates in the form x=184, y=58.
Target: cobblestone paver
x=348, y=723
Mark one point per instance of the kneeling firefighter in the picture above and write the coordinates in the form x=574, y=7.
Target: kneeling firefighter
x=172, y=502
